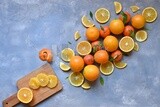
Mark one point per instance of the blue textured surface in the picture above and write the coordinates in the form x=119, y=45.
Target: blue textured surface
x=26, y=26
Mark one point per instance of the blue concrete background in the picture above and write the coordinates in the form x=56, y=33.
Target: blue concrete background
x=27, y=26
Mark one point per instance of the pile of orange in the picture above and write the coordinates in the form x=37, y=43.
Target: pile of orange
x=108, y=44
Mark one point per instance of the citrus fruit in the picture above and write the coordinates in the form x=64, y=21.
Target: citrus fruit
x=107, y=68
x=136, y=46
x=76, y=79
x=64, y=66
x=101, y=56
x=134, y=8
x=104, y=31
x=138, y=21
x=66, y=54
x=96, y=46
x=102, y=15
x=150, y=14
x=84, y=48
x=128, y=30
x=117, y=55
x=91, y=72
x=76, y=63
x=110, y=43
x=34, y=83
x=86, y=85
x=92, y=33
x=53, y=81
x=86, y=22
x=125, y=17
x=43, y=79
x=119, y=64
x=88, y=59
x=77, y=35
x=141, y=35
x=46, y=55
x=25, y=95
x=126, y=44
x=117, y=7
x=116, y=26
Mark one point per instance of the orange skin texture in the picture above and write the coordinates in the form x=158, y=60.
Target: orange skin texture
x=88, y=59
x=138, y=21
x=127, y=30
x=76, y=63
x=46, y=55
x=105, y=32
x=117, y=55
x=101, y=56
x=116, y=26
x=96, y=44
x=91, y=72
x=128, y=17
x=92, y=33
x=110, y=43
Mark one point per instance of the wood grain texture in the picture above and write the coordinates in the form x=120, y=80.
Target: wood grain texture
x=43, y=92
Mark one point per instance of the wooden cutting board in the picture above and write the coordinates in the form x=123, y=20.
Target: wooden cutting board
x=40, y=94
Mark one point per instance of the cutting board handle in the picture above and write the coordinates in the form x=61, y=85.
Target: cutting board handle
x=11, y=101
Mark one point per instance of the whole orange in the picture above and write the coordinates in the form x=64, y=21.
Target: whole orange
x=128, y=17
x=91, y=72
x=104, y=31
x=138, y=21
x=116, y=26
x=117, y=55
x=76, y=63
x=92, y=33
x=101, y=56
x=110, y=43
x=88, y=59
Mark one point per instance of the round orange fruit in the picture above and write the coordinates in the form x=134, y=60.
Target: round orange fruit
x=92, y=33
x=110, y=43
x=117, y=55
x=101, y=56
x=116, y=26
x=138, y=21
x=91, y=72
x=76, y=63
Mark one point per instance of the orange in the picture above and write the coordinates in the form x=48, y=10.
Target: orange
x=101, y=56
x=104, y=31
x=116, y=26
x=117, y=55
x=110, y=43
x=126, y=19
x=138, y=21
x=88, y=59
x=76, y=63
x=25, y=95
x=92, y=33
x=91, y=72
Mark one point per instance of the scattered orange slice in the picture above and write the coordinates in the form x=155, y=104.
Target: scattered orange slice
x=102, y=15
x=117, y=7
x=76, y=79
x=119, y=64
x=84, y=48
x=150, y=14
x=86, y=22
x=126, y=44
x=66, y=54
x=107, y=68
x=134, y=8
x=141, y=35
